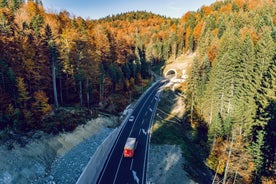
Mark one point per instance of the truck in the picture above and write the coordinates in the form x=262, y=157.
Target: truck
x=130, y=147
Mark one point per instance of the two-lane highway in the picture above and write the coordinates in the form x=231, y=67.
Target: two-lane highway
x=119, y=169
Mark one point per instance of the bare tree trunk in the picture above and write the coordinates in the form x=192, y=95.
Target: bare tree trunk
x=67, y=87
x=60, y=91
x=80, y=79
x=102, y=89
x=80, y=93
x=235, y=177
x=216, y=173
x=227, y=163
x=3, y=81
x=87, y=93
x=54, y=82
x=214, y=143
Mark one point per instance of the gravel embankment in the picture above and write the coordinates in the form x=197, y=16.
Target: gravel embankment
x=53, y=159
x=69, y=167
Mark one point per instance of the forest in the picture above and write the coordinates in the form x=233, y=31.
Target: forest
x=232, y=88
x=51, y=60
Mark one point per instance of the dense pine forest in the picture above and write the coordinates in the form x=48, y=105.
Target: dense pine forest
x=232, y=87
x=51, y=60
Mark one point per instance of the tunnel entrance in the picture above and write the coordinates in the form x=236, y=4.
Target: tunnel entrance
x=171, y=74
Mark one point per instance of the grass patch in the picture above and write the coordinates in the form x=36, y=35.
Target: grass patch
x=175, y=134
x=166, y=133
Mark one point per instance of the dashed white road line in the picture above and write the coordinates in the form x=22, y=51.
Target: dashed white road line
x=135, y=176
x=131, y=164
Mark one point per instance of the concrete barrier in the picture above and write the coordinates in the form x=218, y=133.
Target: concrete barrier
x=95, y=165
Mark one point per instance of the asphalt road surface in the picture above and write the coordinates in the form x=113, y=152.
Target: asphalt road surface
x=120, y=170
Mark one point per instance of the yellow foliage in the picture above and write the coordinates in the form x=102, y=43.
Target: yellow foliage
x=41, y=107
x=216, y=164
x=215, y=32
x=269, y=180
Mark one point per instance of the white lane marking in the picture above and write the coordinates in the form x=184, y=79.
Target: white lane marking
x=128, y=136
x=144, y=162
x=147, y=143
x=118, y=169
x=150, y=109
x=139, y=131
x=131, y=164
x=143, y=121
x=134, y=123
x=112, y=150
x=135, y=176
x=144, y=131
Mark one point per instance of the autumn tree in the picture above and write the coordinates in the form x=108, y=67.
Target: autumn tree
x=40, y=105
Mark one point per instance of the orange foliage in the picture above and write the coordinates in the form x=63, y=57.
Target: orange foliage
x=185, y=18
x=5, y=12
x=250, y=31
x=31, y=8
x=207, y=10
x=212, y=53
x=239, y=3
x=54, y=23
x=226, y=9
x=198, y=30
x=188, y=33
x=253, y=4
x=268, y=180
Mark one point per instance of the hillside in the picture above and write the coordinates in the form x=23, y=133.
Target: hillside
x=49, y=61
x=58, y=60
x=232, y=85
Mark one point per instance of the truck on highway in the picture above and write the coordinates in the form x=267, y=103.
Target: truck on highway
x=130, y=147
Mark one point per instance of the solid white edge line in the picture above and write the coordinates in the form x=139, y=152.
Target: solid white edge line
x=140, y=110
x=114, y=181
x=131, y=164
x=148, y=137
